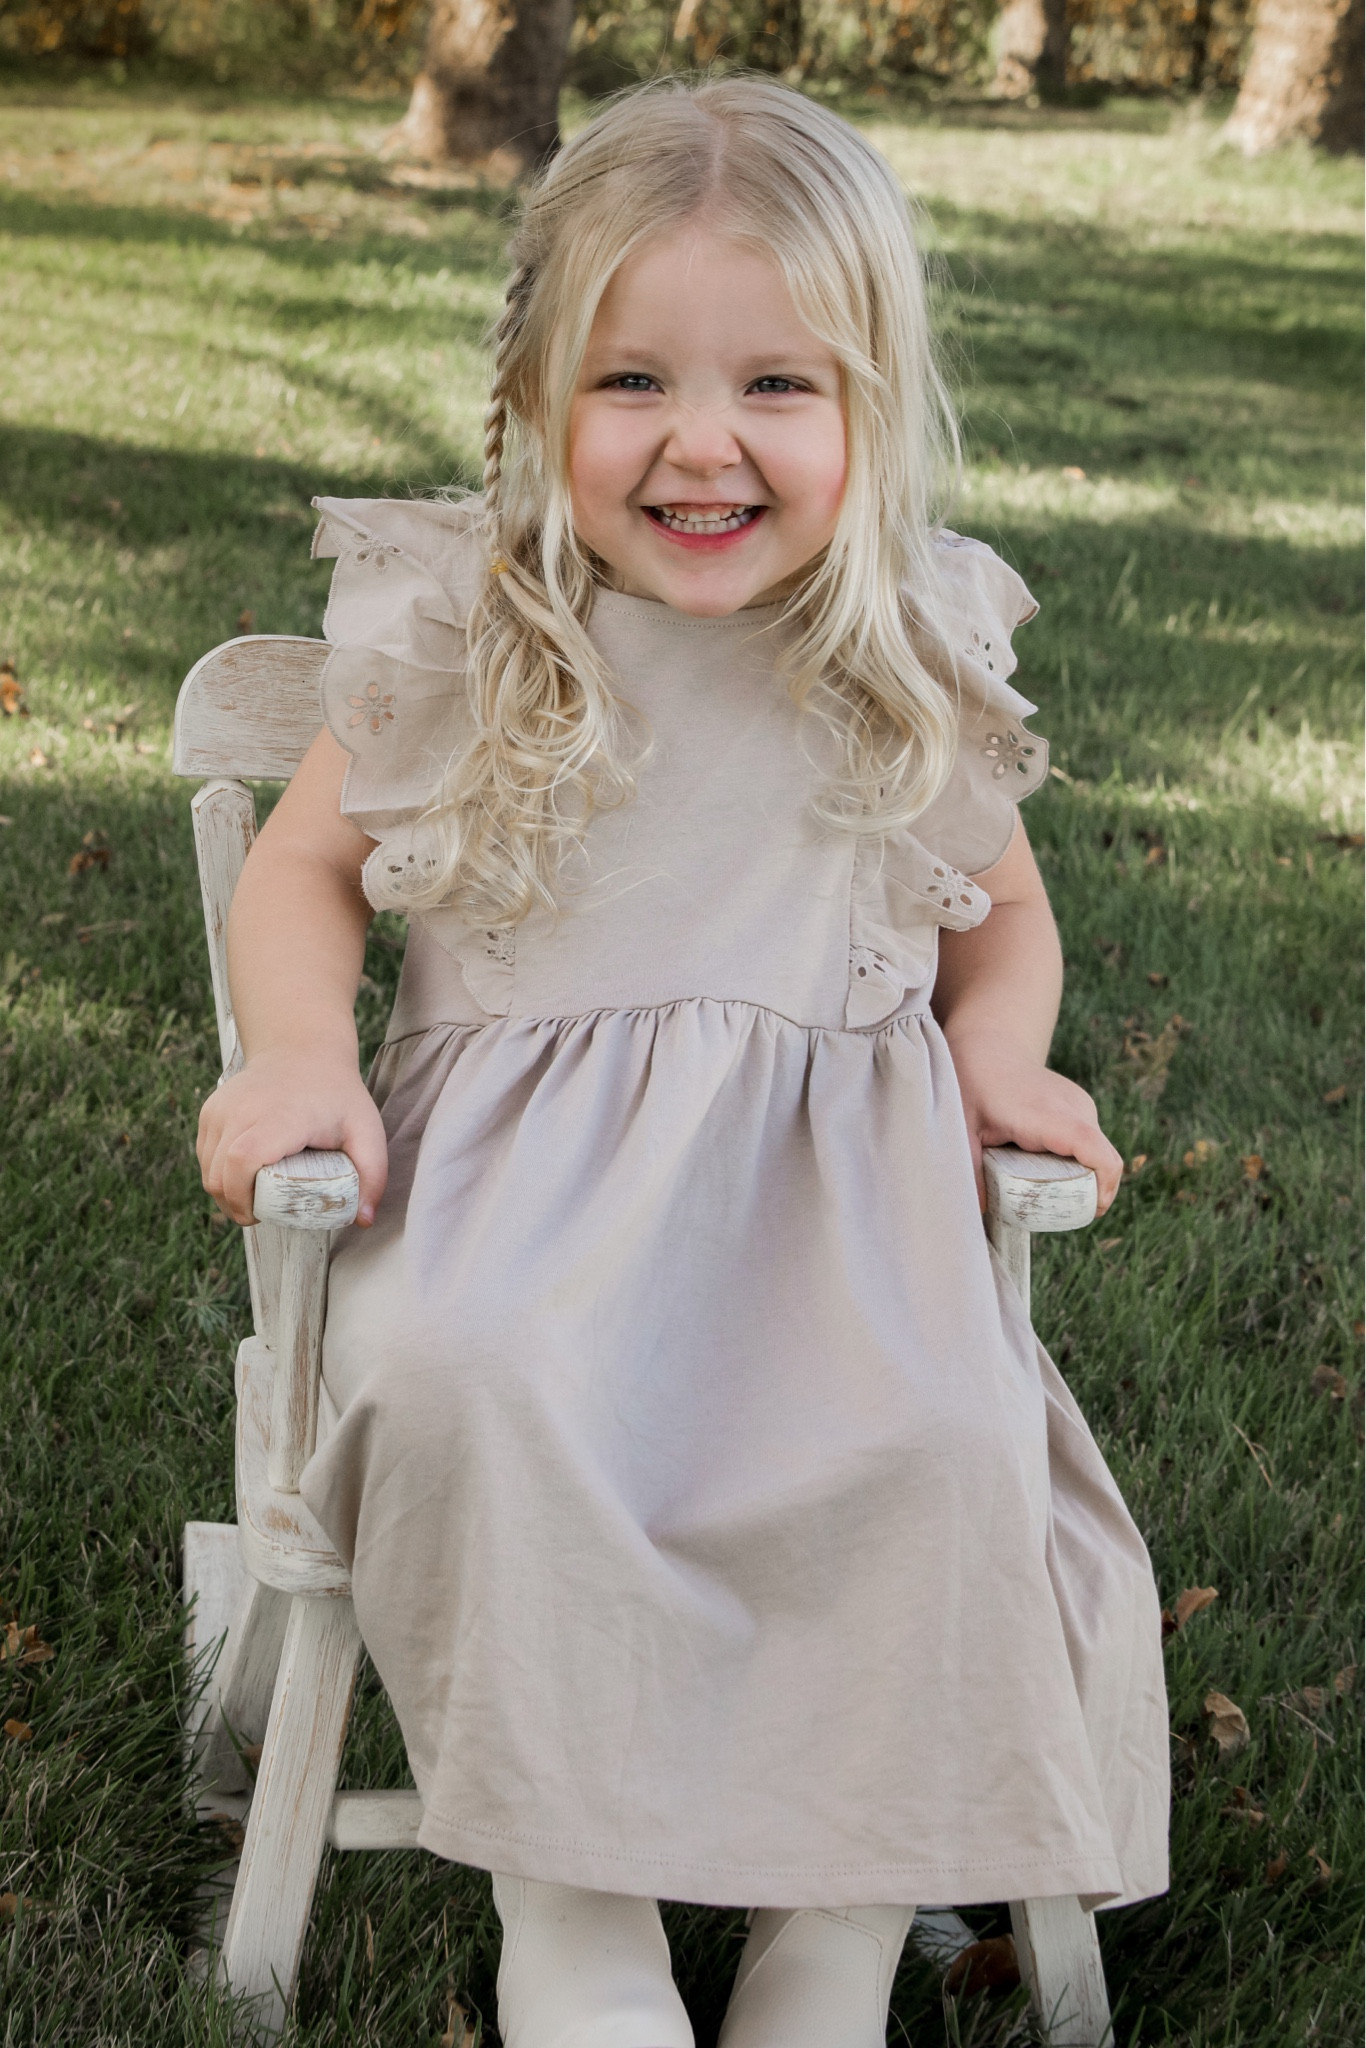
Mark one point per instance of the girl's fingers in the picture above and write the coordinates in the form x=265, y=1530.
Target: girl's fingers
x=365, y=1144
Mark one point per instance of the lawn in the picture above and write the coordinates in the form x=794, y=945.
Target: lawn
x=212, y=309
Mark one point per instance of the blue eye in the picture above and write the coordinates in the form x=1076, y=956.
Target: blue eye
x=633, y=380
x=776, y=386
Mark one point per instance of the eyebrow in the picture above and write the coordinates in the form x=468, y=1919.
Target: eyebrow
x=780, y=363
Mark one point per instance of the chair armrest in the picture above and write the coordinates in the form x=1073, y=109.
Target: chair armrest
x=313, y=1191
x=1036, y=1191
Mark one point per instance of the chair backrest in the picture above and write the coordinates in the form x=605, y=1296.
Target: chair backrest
x=250, y=708
x=248, y=712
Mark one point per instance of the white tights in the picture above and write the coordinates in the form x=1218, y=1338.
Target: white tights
x=585, y=1969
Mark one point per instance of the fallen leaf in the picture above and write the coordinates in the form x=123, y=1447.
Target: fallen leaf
x=1154, y=858
x=10, y=1902
x=37, y=758
x=1228, y=1723
x=1338, y=1094
x=459, y=2032
x=1344, y=841
x=1108, y=1244
x=1323, y=1872
x=1149, y=1058
x=1194, y=1601
x=1324, y=1379
x=1159, y=980
x=1253, y=1165
x=18, y=1731
x=114, y=505
x=246, y=621
x=89, y=858
x=24, y=1646
x=1201, y=1153
x=1169, y=1623
x=1074, y=474
x=1310, y=1698
x=1185, y=1195
x=54, y=917
x=12, y=703
x=1240, y=1807
x=1137, y=1163
x=983, y=1966
x=1276, y=1869
x=1344, y=1681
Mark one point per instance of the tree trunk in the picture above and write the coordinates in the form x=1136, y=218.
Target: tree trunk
x=489, y=89
x=1031, y=48
x=1303, y=78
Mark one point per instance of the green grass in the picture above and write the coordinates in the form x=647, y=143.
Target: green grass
x=188, y=356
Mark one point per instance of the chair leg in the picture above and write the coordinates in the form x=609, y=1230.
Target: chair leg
x=239, y=1702
x=287, y=1826
x=1059, y=1955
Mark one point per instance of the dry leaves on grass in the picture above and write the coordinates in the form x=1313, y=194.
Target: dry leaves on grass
x=1276, y=1868
x=1146, y=1059
x=24, y=1646
x=983, y=1966
x=1253, y=1165
x=460, y=2030
x=1336, y=1095
x=1201, y=1152
x=1240, y=1807
x=1193, y=1601
x=12, y=703
x=94, y=852
x=246, y=620
x=18, y=1731
x=1325, y=1379
x=1227, y=1723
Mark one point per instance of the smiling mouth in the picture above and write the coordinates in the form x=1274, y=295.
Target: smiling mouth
x=704, y=519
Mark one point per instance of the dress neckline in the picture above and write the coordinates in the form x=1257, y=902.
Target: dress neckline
x=649, y=611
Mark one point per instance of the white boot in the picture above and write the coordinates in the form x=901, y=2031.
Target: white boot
x=816, y=1978
x=584, y=1970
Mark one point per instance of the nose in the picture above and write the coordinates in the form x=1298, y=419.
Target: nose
x=700, y=443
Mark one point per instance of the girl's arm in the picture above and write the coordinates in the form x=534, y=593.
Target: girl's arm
x=996, y=999
x=296, y=944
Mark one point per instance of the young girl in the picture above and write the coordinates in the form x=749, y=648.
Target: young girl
x=717, y=1526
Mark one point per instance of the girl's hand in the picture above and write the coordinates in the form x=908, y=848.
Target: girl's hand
x=1010, y=1099
x=284, y=1101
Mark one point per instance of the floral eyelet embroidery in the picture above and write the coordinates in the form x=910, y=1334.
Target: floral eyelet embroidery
x=1007, y=750
x=980, y=650
x=500, y=945
x=377, y=551
x=371, y=708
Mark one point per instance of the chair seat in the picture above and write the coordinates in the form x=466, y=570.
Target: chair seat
x=282, y=1544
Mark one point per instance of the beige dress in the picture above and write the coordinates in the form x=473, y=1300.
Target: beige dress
x=718, y=1528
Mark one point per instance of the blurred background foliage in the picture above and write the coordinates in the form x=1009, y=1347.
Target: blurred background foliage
x=1135, y=45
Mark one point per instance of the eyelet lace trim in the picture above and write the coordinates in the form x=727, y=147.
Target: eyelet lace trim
x=377, y=551
x=500, y=944
x=372, y=708
x=1007, y=750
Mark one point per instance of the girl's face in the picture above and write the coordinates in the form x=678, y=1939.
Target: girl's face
x=706, y=439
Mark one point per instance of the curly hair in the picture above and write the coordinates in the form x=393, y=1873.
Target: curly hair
x=551, y=743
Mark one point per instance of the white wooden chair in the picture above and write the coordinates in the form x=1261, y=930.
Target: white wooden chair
x=269, y=1618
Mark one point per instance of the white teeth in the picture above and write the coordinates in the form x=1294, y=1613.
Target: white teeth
x=705, y=521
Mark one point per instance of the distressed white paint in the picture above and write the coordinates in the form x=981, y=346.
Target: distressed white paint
x=282, y=1545
x=375, y=1820
x=308, y=1191
x=298, y=1357
x=292, y=1806
x=1059, y=1956
x=250, y=708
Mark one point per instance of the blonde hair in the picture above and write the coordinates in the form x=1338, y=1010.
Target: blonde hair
x=551, y=742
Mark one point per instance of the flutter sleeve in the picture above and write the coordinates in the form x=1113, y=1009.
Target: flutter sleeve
x=912, y=884
x=393, y=687
x=999, y=760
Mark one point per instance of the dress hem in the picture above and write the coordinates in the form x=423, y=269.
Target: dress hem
x=642, y=1874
